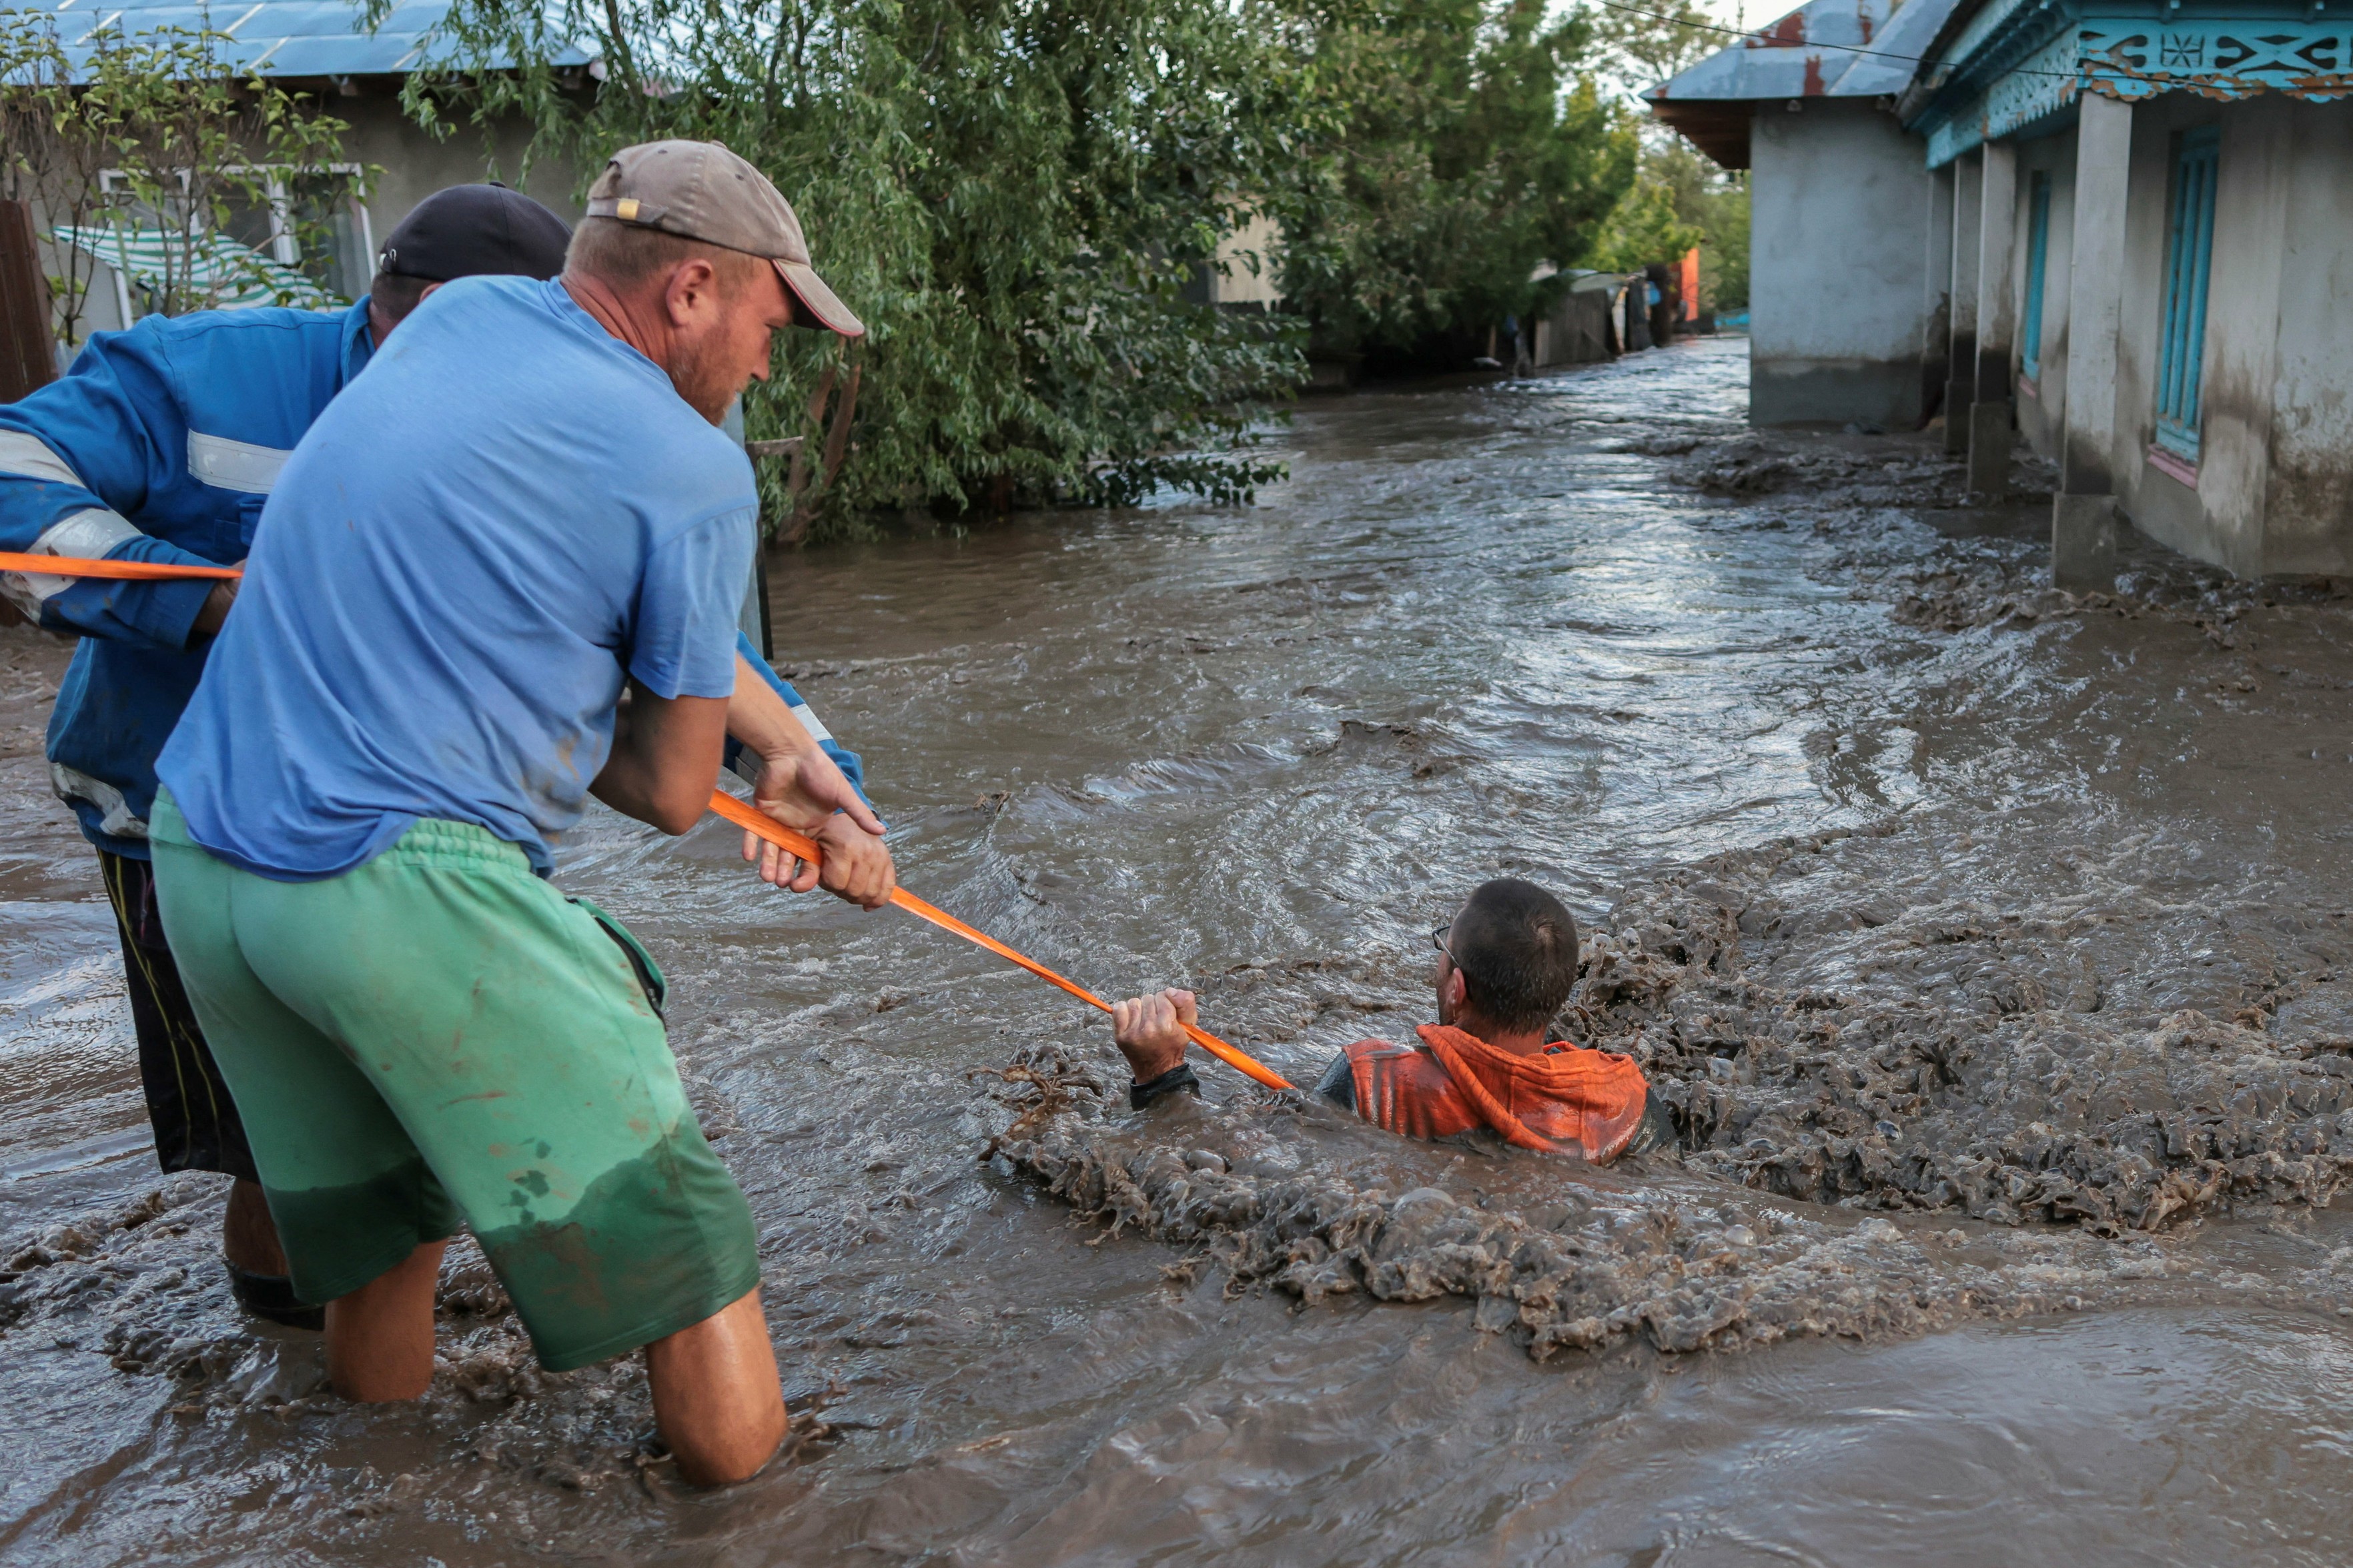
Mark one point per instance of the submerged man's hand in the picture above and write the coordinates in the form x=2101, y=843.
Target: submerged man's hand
x=1150, y=1031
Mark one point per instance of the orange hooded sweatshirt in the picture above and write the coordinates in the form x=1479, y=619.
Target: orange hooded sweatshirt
x=1568, y=1099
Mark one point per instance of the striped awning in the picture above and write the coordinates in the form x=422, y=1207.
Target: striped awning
x=211, y=268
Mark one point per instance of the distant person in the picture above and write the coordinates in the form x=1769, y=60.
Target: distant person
x=1507, y=961
x=162, y=444
x=501, y=573
x=1523, y=362
x=1665, y=291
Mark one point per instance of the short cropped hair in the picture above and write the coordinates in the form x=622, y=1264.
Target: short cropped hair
x=395, y=296
x=626, y=254
x=1516, y=946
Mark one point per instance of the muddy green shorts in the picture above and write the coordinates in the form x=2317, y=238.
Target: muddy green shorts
x=440, y=1036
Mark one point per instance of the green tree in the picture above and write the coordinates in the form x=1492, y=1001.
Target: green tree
x=1013, y=195
x=1643, y=228
x=1451, y=147
x=1681, y=199
x=146, y=148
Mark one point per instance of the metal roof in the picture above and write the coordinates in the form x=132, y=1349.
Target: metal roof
x=288, y=38
x=1826, y=48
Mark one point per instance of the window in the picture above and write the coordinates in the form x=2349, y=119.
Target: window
x=2190, y=251
x=2038, y=252
x=315, y=224
x=306, y=242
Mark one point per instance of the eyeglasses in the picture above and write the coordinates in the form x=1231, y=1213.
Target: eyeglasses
x=1437, y=940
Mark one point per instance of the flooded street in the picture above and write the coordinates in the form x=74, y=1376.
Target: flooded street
x=1993, y=949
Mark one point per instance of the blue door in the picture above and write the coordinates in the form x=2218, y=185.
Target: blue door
x=2190, y=252
x=2038, y=252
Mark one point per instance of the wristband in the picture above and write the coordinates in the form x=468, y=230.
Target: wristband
x=1178, y=1079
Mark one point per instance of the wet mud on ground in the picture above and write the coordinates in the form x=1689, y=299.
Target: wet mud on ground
x=1986, y=941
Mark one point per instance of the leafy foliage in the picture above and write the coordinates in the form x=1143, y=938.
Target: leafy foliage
x=1013, y=196
x=1454, y=146
x=1644, y=228
x=1644, y=42
x=1715, y=203
x=150, y=136
x=1020, y=197
x=1679, y=200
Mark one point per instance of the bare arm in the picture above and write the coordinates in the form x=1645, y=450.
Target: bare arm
x=800, y=786
x=665, y=758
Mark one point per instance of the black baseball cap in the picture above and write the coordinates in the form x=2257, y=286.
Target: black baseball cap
x=471, y=229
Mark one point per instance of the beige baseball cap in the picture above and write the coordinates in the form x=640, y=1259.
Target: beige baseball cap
x=700, y=190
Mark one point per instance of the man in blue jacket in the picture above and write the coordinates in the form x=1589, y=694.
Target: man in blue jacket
x=162, y=444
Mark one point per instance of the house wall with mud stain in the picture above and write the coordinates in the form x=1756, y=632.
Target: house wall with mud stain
x=2271, y=491
x=1838, y=212
x=2308, y=502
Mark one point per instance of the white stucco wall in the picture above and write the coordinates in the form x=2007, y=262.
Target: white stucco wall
x=1246, y=257
x=1838, y=241
x=2308, y=500
x=2272, y=492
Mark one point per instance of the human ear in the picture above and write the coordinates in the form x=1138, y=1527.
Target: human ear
x=690, y=292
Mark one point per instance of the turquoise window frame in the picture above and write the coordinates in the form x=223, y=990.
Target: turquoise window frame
x=2188, y=265
x=2038, y=257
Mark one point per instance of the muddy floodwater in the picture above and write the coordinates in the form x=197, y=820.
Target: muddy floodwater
x=1992, y=947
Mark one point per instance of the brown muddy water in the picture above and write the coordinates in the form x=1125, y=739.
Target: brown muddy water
x=1990, y=946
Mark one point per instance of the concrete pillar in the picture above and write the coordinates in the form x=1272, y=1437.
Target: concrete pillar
x=1937, y=298
x=1961, y=389
x=2083, y=515
x=1990, y=415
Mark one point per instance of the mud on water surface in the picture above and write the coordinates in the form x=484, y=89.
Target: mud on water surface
x=1987, y=943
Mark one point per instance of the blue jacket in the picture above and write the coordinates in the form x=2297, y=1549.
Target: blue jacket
x=162, y=444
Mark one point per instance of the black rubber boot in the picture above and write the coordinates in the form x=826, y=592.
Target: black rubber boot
x=272, y=1296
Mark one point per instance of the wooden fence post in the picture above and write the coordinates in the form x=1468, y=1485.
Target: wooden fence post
x=28, y=356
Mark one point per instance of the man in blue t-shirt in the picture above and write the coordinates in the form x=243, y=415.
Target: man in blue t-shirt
x=500, y=574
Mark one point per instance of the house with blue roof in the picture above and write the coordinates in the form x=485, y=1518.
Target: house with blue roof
x=2137, y=217
x=323, y=46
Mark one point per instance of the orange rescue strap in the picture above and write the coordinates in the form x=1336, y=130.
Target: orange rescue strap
x=127, y=571
x=726, y=804
x=744, y=816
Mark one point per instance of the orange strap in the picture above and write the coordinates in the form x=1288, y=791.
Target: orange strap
x=127, y=571
x=726, y=804
x=744, y=816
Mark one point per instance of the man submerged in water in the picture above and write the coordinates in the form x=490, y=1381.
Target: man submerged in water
x=1507, y=963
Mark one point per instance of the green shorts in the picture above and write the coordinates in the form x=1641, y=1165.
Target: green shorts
x=439, y=1036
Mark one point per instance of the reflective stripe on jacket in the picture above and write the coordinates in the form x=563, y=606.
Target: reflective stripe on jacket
x=1567, y=1100
x=160, y=443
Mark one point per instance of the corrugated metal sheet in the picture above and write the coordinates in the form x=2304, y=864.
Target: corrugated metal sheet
x=285, y=38
x=1826, y=48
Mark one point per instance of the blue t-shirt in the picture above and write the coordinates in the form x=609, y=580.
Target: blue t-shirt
x=506, y=514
